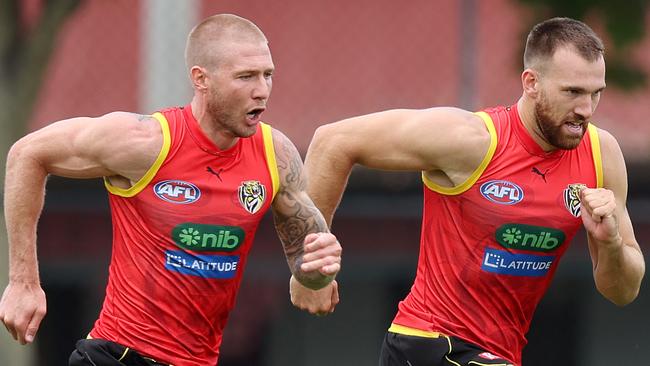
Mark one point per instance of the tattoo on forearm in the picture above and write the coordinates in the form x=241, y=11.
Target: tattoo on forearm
x=295, y=215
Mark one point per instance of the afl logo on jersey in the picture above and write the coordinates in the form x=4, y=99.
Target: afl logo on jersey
x=177, y=191
x=251, y=195
x=502, y=192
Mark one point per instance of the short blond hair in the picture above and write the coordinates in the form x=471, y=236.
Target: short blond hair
x=204, y=42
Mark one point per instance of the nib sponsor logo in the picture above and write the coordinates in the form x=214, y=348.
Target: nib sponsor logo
x=529, y=237
x=201, y=237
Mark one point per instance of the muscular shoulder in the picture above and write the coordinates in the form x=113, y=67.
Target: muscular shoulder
x=287, y=158
x=459, y=139
x=138, y=125
x=131, y=142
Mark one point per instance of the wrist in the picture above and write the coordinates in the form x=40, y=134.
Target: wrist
x=26, y=280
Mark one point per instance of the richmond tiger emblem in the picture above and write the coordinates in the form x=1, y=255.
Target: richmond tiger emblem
x=572, y=198
x=251, y=195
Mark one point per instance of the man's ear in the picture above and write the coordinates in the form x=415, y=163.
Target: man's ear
x=530, y=83
x=199, y=76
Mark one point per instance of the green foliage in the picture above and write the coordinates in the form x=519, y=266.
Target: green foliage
x=624, y=22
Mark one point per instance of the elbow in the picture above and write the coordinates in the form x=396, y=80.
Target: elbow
x=23, y=156
x=333, y=143
x=323, y=136
x=18, y=151
x=621, y=301
x=621, y=297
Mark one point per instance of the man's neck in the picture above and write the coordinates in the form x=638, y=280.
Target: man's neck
x=199, y=110
x=526, y=110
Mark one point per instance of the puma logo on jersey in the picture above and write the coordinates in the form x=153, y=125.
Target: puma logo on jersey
x=538, y=172
x=216, y=173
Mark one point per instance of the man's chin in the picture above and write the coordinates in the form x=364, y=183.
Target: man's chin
x=569, y=143
x=247, y=132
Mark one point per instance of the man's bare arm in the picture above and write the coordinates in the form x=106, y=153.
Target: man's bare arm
x=618, y=264
x=313, y=254
x=448, y=142
x=118, y=145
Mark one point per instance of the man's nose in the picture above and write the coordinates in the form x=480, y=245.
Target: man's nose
x=262, y=89
x=584, y=108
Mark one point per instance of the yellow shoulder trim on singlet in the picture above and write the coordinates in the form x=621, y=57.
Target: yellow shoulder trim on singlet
x=469, y=182
x=139, y=185
x=595, y=150
x=400, y=329
x=269, y=150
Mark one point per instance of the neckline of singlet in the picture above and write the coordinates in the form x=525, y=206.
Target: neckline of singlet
x=201, y=140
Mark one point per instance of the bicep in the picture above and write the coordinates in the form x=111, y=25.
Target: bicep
x=86, y=147
x=411, y=140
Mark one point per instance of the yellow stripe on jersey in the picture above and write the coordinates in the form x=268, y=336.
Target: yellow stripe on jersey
x=469, y=182
x=595, y=150
x=400, y=329
x=269, y=150
x=139, y=185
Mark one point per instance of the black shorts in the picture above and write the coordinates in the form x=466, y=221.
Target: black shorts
x=100, y=352
x=441, y=350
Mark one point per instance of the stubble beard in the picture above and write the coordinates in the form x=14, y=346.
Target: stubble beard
x=223, y=119
x=552, y=131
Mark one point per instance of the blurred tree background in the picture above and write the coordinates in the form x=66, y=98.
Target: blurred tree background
x=25, y=48
x=624, y=25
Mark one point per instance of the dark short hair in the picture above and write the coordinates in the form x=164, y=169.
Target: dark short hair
x=546, y=37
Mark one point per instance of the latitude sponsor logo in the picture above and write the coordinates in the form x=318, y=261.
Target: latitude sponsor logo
x=202, y=237
x=527, y=265
x=502, y=192
x=177, y=191
x=529, y=237
x=206, y=266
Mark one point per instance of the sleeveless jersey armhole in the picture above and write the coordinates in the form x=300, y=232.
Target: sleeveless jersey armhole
x=269, y=151
x=469, y=182
x=595, y=153
x=146, y=179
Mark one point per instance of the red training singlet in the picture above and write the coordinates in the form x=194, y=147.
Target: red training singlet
x=181, y=236
x=490, y=246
